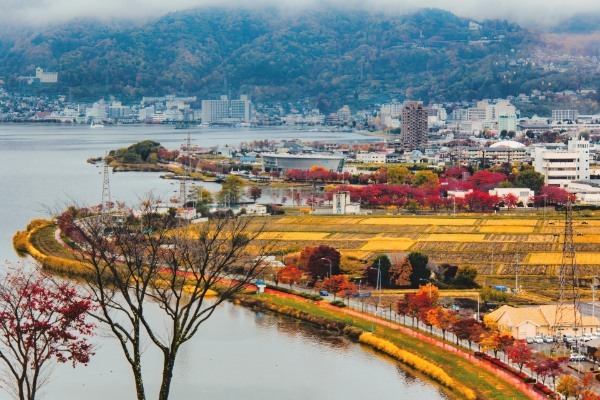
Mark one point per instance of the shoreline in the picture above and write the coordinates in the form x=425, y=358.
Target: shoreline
x=335, y=319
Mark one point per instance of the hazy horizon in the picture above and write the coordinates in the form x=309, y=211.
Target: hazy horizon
x=532, y=12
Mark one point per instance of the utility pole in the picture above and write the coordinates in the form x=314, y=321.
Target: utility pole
x=516, y=273
x=378, y=284
x=594, y=296
x=454, y=206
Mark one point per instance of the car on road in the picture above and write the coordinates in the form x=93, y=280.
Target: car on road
x=529, y=340
x=323, y=293
x=538, y=339
x=548, y=339
x=587, y=337
x=576, y=357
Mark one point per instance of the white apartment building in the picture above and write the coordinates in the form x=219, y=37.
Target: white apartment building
x=227, y=111
x=564, y=115
x=560, y=167
x=507, y=122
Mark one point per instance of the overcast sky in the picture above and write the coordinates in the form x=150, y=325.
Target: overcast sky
x=538, y=12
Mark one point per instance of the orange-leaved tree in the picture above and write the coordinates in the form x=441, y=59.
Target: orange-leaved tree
x=442, y=319
x=338, y=284
x=289, y=274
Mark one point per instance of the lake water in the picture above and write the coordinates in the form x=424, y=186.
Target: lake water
x=238, y=353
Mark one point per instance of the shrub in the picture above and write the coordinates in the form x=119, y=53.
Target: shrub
x=338, y=303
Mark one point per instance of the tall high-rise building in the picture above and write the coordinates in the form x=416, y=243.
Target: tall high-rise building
x=227, y=111
x=414, y=129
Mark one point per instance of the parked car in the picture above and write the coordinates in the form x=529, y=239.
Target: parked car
x=587, y=337
x=548, y=339
x=529, y=340
x=568, y=339
x=577, y=357
x=538, y=339
x=323, y=293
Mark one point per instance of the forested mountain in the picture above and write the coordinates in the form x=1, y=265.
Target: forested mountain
x=333, y=57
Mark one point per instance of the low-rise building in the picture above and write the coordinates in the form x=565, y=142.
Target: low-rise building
x=522, y=194
x=342, y=204
x=548, y=319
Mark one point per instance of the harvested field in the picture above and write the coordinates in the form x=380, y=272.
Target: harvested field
x=556, y=258
x=387, y=245
x=418, y=221
x=435, y=246
x=511, y=222
x=507, y=229
x=293, y=235
x=450, y=237
x=486, y=242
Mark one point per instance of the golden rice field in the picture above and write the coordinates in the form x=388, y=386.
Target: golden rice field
x=507, y=229
x=511, y=222
x=490, y=243
x=293, y=235
x=417, y=221
x=387, y=245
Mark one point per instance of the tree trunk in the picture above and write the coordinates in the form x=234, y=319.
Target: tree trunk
x=168, y=365
x=137, y=371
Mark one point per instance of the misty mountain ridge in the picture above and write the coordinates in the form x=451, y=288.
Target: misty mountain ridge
x=579, y=23
x=329, y=55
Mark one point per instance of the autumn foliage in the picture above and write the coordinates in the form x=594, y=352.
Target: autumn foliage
x=40, y=322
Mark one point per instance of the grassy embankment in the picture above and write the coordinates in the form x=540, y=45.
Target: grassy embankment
x=452, y=371
x=460, y=376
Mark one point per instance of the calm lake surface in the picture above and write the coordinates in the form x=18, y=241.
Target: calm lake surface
x=238, y=353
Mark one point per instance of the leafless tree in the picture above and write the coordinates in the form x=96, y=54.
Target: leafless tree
x=132, y=261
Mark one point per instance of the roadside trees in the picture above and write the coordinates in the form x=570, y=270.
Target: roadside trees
x=321, y=261
x=467, y=329
x=289, y=274
x=41, y=322
x=338, y=284
x=139, y=262
x=569, y=386
x=519, y=353
x=442, y=319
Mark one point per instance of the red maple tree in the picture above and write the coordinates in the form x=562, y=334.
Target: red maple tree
x=40, y=322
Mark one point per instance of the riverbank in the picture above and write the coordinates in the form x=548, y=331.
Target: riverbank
x=413, y=348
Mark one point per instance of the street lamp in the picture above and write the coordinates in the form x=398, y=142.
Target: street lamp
x=330, y=264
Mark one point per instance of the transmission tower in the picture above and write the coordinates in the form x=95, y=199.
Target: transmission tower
x=106, y=200
x=183, y=183
x=569, y=298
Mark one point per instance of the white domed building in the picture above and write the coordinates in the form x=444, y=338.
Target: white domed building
x=508, y=144
x=505, y=151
